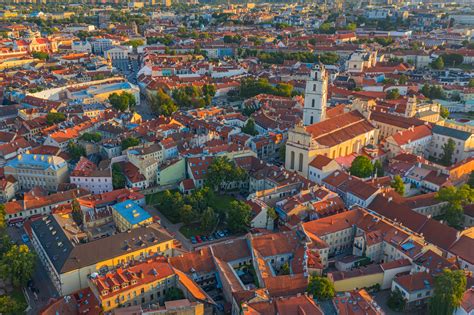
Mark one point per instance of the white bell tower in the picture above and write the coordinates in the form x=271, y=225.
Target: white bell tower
x=315, y=97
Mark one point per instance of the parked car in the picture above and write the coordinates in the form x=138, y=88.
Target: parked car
x=193, y=240
x=210, y=237
x=204, y=238
x=25, y=238
x=198, y=239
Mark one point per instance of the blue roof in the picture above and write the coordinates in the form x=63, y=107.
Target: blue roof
x=132, y=212
x=408, y=246
x=36, y=161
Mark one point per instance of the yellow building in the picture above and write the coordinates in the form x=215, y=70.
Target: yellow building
x=69, y=263
x=364, y=277
x=129, y=215
x=335, y=137
x=147, y=283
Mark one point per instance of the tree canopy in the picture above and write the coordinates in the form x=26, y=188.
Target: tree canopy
x=249, y=128
x=251, y=87
x=18, y=264
x=448, y=151
x=398, y=185
x=438, y=63
x=75, y=151
x=443, y=112
x=448, y=292
x=321, y=287
x=118, y=179
x=55, y=118
x=433, y=92
x=222, y=172
x=239, y=216
x=452, y=60
x=162, y=104
x=457, y=198
x=393, y=94
x=362, y=167
x=130, y=142
x=91, y=137
x=122, y=102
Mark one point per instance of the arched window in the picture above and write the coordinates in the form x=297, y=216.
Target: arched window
x=311, y=120
x=313, y=102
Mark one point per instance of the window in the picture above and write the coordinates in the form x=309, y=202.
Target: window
x=300, y=168
x=292, y=160
x=313, y=102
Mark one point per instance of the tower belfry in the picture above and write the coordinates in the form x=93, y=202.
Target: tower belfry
x=315, y=99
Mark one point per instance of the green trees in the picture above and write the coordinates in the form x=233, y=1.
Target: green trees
x=40, y=55
x=448, y=151
x=453, y=60
x=471, y=83
x=130, y=142
x=396, y=302
x=239, y=216
x=443, y=112
x=186, y=214
x=118, y=179
x=398, y=185
x=222, y=172
x=192, y=97
x=321, y=287
x=8, y=305
x=122, y=102
x=91, y=137
x=173, y=294
x=77, y=212
x=251, y=87
x=326, y=28
x=470, y=181
x=135, y=43
x=403, y=79
x=457, y=198
x=75, y=151
x=55, y=118
x=208, y=219
x=438, y=63
x=378, y=168
x=433, y=92
x=362, y=167
x=18, y=264
x=229, y=39
x=279, y=57
x=393, y=94
x=249, y=128
x=285, y=269
x=448, y=291
x=162, y=104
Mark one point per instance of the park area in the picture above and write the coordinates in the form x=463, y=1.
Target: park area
x=203, y=214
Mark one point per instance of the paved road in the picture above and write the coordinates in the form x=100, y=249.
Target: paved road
x=40, y=278
x=173, y=229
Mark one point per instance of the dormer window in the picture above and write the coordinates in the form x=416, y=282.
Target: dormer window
x=105, y=292
x=115, y=288
x=134, y=281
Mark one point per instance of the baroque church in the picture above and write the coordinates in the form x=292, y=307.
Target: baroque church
x=333, y=137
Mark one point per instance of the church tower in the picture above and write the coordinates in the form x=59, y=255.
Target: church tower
x=315, y=97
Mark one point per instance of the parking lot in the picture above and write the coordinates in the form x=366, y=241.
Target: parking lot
x=217, y=235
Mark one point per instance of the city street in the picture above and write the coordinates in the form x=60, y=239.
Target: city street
x=41, y=282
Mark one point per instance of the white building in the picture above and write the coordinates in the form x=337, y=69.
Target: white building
x=315, y=96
